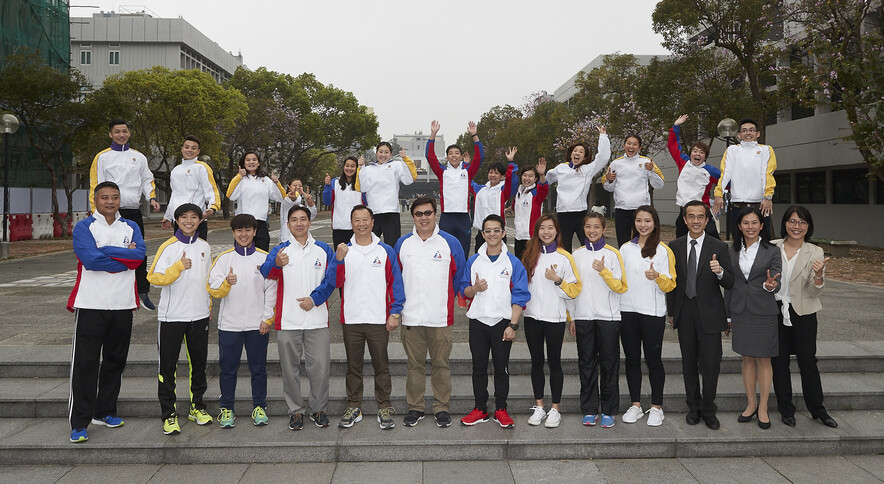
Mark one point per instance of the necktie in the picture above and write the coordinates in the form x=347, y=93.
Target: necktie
x=690, y=288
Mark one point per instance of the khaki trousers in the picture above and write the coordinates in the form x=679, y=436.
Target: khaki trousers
x=418, y=341
x=356, y=336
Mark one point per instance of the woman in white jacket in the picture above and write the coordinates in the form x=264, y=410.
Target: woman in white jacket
x=628, y=178
x=650, y=269
x=252, y=190
x=545, y=314
x=595, y=321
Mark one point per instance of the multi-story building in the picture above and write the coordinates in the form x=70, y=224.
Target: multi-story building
x=109, y=43
x=416, y=145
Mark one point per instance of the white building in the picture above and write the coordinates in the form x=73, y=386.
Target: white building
x=109, y=43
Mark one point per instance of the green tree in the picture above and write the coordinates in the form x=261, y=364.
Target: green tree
x=45, y=101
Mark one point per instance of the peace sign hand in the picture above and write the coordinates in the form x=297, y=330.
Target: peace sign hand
x=771, y=283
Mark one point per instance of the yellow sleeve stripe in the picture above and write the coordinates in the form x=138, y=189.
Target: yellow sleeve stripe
x=718, y=186
x=232, y=185
x=658, y=172
x=770, y=182
x=411, y=167
x=667, y=283
x=572, y=289
x=93, y=178
x=224, y=289
x=281, y=189
x=356, y=183
x=617, y=285
x=217, y=205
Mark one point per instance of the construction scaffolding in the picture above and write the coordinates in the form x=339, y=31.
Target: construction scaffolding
x=36, y=25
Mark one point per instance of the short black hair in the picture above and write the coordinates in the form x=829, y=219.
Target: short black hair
x=423, y=201
x=114, y=122
x=361, y=207
x=494, y=218
x=243, y=221
x=636, y=136
x=384, y=143
x=453, y=146
x=498, y=167
x=696, y=203
x=804, y=214
x=188, y=207
x=294, y=209
x=106, y=184
x=193, y=138
x=748, y=121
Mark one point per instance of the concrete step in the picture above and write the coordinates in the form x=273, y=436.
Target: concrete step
x=48, y=397
x=141, y=441
x=54, y=361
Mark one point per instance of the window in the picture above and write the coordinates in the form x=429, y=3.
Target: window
x=85, y=57
x=810, y=187
x=850, y=186
x=113, y=58
x=783, y=190
x=880, y=187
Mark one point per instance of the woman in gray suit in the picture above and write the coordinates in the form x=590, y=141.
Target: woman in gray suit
x=752, y=310
x=804, y=267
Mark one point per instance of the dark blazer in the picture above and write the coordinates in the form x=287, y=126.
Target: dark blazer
x=748, y=295
x=709, y=298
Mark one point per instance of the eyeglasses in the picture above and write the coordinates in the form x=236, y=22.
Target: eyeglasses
x=748, y=130
x=492, y=231
x=796, y=222
x=425, y=213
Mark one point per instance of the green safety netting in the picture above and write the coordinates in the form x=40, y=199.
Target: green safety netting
x=42, y=25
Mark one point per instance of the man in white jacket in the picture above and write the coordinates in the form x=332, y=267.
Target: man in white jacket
x=192, y=182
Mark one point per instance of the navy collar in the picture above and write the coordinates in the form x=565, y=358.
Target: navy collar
x=183, y=238
x=116, y=147
x=598, y=245
x=635, y=240
x=244, y=250
x=548, y=249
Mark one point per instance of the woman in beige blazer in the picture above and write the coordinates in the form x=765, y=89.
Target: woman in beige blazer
x=804, y=269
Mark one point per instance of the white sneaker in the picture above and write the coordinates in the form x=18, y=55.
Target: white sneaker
x=553, y=419
x=655, y=417
x=537, y=416
x=633, y=414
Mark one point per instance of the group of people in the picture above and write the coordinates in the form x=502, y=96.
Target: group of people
x=605, y=296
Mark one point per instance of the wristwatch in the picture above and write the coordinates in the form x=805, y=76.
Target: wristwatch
x=514, y=326
x=397, y=316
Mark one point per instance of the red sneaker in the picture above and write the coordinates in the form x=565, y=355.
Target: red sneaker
x=503, y=418
x=475, y=417
x=462, y=302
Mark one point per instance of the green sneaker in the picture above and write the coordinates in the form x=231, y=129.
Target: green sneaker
x=351, y=416
x=259, y=416
x=170, y=425
x=385, y=418
x=200, y=416
x=226, y=419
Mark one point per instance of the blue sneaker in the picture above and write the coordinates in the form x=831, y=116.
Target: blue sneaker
x=589, y=420
x=146, y=303
x=607, y=421
x=79, y=435
x=111, y=421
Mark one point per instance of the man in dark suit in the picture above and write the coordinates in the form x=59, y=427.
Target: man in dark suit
x=696, y=310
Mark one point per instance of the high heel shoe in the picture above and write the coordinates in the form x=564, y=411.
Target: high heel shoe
x=764, y=425
x=748, y=418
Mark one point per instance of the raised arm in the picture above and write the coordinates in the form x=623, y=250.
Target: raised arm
x=478, y=151
x=430, y=152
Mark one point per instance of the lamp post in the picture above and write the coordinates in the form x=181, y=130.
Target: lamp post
x=8, y=126
x=727, y=129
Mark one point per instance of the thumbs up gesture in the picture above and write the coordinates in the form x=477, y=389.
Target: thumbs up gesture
x=771, y=283
x=819, y=267
x=552, y=275
x=282, y=259
x=231, y=277
x=651, y=274
x=327, y=179
x=599, y=264
x=184, y=260
x=481, y=285
x=714, y=265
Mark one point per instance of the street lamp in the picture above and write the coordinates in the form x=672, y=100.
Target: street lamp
x=8, y=126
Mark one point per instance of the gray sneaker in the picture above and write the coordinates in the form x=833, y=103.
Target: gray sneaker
x=385, y=418
x=351, y=416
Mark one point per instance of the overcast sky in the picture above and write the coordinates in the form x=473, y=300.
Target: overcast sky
x=414, y=61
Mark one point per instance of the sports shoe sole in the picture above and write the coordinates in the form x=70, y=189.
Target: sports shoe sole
x=347, y=426
x=535, y=422
x=102, y=422
x=84, y=439
x=413, y=423
x=391, y=424
x=317, y=423
x=475, y=422
x=442, y=425
x=549, y=425
x=172, y=432
x=512, y=425
x=194, y=419
x=227, y=426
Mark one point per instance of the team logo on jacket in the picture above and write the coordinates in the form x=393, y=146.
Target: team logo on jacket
x=317, y=264
x=438, y=256
x=463, y=174
x=504, y=273
x=376, y=262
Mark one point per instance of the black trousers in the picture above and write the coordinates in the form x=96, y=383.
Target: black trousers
x=800, y=340
x=387, y=227
x=700, y=355
x=262, y=236
x=458, y=225
x=195, y=336
x=624, y=221
x=481, y=240
x=536, y=332
x=339, y=237
x=681, y=228
x=571, y=223
x=637, y=332
x=598, y=360
x=98, y=357
x=202, y=230
x=519, y=248
x=485, y=339
x=134, y=214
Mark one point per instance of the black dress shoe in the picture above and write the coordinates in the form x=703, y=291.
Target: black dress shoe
x=828, y=421
x=692, y=418
x=790, y=421
x=743, y=418
x=763, y=425
x=712, y=422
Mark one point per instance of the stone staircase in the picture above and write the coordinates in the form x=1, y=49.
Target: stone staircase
x=34, y=428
